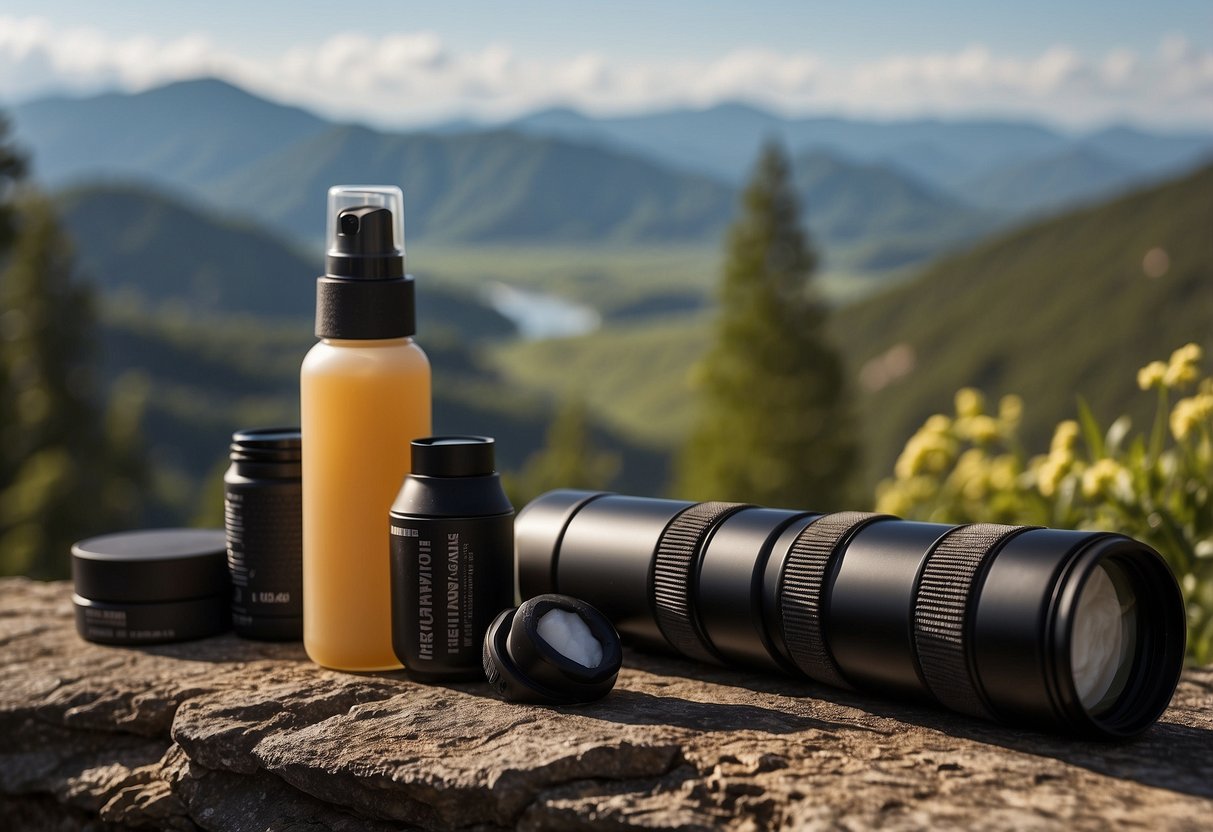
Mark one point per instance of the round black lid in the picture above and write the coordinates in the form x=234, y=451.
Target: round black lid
x=453, y=456
x=267, y=444
x=523, y=667
x=151, y=565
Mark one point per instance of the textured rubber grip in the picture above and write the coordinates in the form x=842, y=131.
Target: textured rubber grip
x=802, y=589
x=941, y=613
x=673, y=570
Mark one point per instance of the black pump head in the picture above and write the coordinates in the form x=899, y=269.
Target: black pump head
x=364, y=293
x=364, y=245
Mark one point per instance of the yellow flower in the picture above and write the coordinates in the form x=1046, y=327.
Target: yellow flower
x=1065, y=438
x=1049, y=476
x=1010, y=410
x=969, y=402
x=1106, y=477
x=1188, y=414
x=1182, y=368
x=929, y=450
x=893, y=500
x=937, y=424
x=1151, y=375
x=1004, y=471
x=983, y=429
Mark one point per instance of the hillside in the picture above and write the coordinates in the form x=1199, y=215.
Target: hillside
x=482, y=187
x=861, y=213
x=182, y=135
x=140, y=245
x=1053, y=311
x=1050, y=311
x=1043, y=185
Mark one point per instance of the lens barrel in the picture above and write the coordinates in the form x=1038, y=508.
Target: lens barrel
x=988, y=620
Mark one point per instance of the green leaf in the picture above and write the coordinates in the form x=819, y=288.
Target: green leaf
x=1117, y=432
x=1091, y=432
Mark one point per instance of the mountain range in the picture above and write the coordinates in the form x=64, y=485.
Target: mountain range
x=949, y=155
x=896, y=192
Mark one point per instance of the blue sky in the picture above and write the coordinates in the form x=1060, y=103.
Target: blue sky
x=1076, y=63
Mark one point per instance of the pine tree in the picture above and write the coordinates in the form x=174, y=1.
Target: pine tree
x=774, y=426
x=64, y=473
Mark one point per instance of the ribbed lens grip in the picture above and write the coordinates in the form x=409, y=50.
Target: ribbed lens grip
x=941, y=607
x=673, y=569
x=800, y=594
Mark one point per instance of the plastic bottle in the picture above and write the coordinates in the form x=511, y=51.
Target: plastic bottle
x=364, y=396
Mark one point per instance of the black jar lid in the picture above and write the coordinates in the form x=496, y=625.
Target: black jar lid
x=267, y=445
x=453, y=456
x=151, y=565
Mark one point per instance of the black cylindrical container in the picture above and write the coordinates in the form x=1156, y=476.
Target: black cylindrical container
x=452, y=546
x=1073, y=631
x=263, y=511
x=150, y=586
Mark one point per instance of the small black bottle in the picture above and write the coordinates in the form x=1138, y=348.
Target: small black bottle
x=452, y=555
x=263, y=510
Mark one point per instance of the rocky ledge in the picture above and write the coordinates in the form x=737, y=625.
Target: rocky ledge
x=242, y=735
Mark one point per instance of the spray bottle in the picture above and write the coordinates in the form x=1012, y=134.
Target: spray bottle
x=364, y=396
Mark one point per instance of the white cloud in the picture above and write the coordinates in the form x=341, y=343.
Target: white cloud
x=414, y=77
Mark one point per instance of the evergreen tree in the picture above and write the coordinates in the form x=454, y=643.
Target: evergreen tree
x=774, y=426
x=569, y=458
x=67, y=469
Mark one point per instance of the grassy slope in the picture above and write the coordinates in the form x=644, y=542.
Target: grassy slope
x=1055, y=310
x=636, y=378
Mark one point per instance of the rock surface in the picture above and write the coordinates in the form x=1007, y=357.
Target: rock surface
x=231, y=734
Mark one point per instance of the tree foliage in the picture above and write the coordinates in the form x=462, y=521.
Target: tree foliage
x=67, y=468
x=774, y=426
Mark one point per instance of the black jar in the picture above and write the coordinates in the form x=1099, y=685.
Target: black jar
x=452, y=558
x=263, y=510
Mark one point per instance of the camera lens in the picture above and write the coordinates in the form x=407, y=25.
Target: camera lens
x=1073, y=631
x=1103, y=639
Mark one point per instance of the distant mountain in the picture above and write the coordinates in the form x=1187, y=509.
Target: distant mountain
x=723, y=140
x=889, y=193
x=1051, y=311
x=273, y=165
x=182, y=135
x=483, y=187
x=1046, y=185
x=850, y=202
x=1150, y=152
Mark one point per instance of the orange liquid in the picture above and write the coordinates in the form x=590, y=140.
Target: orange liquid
x=362, y=403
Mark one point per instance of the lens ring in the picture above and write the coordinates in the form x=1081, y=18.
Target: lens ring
x=674, y=566
x=801, y=591
x=941, y=613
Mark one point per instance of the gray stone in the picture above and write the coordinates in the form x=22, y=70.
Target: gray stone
x=230, y=734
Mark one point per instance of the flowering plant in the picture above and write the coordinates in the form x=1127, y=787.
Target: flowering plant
x=1155, y=486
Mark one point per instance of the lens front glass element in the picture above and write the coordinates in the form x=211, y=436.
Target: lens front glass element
x=1103, y=642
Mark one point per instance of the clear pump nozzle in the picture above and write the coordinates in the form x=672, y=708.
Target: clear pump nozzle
x=364, y=234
